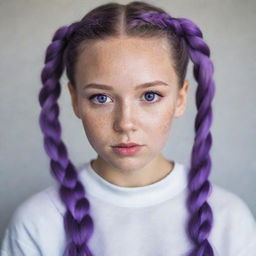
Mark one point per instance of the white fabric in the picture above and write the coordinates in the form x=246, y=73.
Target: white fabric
x=137, y=221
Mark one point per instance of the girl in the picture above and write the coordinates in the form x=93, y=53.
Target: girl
x=126, y=66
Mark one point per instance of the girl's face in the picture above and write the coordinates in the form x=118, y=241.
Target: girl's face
x=124, y=110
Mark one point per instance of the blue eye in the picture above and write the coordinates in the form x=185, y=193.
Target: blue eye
x=152, y=93
x=102, y=97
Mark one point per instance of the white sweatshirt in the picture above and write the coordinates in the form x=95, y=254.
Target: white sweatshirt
x=131, y=221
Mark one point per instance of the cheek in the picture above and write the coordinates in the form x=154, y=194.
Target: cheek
x=157, y=131
x=162, y=118
x=94, y=127
x=163, y=124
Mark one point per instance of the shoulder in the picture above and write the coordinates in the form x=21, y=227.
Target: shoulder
x=234, y=225
x=42, y=203
x=35, y=213
x=228, y=203
x=29, y=223
x=37, y=205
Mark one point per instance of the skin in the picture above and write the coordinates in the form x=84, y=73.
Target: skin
x=126, y=114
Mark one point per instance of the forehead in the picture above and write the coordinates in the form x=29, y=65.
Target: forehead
x=125, y=61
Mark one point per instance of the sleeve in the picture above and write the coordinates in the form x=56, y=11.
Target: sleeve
x=20, y=236
x=249, y=249
x=244, y=230
x=12, y=246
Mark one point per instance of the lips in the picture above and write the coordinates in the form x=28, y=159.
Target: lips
x=127, y=151
x=127, y=145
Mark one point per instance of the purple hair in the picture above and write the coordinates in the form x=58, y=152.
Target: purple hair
x=138, y=19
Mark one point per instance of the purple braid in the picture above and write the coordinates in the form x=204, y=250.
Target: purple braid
x=201, y=218
x=144, y=20
x=77, y=221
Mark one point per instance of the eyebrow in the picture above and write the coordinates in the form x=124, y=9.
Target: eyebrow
x=110, y=88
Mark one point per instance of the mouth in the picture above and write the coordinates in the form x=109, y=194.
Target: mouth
x=127, y=145
x=127, y=151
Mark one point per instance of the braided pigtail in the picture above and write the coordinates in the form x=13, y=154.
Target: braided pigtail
x=77, y=221
x=201, y=221
x=201, y=216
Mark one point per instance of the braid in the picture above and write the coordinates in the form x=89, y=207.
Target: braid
x=201, y=216
x=77, y=221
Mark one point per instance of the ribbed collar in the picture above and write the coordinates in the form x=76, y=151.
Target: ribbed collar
x=155, y=193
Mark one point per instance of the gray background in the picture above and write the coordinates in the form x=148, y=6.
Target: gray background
x=26, y=29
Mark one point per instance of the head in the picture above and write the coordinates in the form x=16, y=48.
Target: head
x=124, y=46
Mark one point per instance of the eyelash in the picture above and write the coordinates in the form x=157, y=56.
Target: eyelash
x=155, y=92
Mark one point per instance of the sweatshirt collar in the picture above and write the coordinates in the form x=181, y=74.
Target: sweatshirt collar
x=158, y=192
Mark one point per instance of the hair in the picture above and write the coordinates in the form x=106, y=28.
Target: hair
x=135, y=19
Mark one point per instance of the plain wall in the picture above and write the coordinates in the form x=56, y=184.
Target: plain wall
x=26, y=29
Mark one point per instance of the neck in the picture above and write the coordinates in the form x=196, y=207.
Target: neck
x=153, y=171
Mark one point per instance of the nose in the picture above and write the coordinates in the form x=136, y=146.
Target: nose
x=125, y=116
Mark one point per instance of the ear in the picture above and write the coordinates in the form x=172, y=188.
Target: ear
x=181, y=99
x=73, y=94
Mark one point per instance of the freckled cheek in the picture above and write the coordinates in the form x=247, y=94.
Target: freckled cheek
x=95, y=128
x=93, y=125
x=163, y=125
